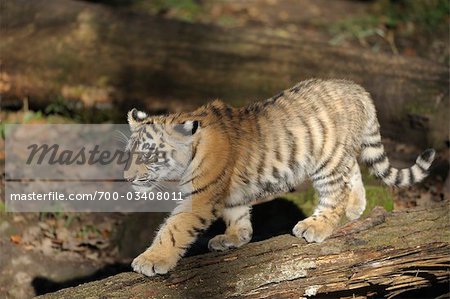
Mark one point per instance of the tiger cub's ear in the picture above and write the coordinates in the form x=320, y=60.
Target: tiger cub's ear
x=135, y=117
x=188, y=128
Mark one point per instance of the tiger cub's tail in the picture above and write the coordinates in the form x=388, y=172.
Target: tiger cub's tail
x=373, y=154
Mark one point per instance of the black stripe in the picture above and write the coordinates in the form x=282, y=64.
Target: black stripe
x=409, y=177
x=216, y=180
x=241, y=217
x=327, y=205
x=324, y=216
x=244, y=179
x=229, y=112
x=374, y=133
x=242, y=113
x=386, y=173
x=275, y=172
x=172, y=237
x=203, y=221
x=412, y=176
x=322, y=177
x=214, y=212
x=335, y=180
x=399, y=177
x=156, y=129
x=148, y=135
x=322, y=129
x=278, y=154
x=421, y=168
x=377, y=160
x=295, y=89
x=344, y=159
x=330, y=191
x=216, y=111
x=336, y=197
x=322, y=166
x=194, y=149
x=277, y=96
x=199, y=166
x=308, y=132
x=276, y=143
x=190, y=180
x=261, y=142
x=260, y=169
x=293, y=149
x=375, y=145
x=329, y=110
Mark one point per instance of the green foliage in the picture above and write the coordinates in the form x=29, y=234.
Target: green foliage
x=88, y=230
x=66, y=217
x=359, y=28
x=427, y=14
x=378, y=196
x=2, y=207
x=60, y=106
x=32, y=115
x=306, y=200
x=186, y=10
x=2, y=131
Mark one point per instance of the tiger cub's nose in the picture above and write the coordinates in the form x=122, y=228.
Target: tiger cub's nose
x=129, y=175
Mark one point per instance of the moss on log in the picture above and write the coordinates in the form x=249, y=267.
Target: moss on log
x=386, y=254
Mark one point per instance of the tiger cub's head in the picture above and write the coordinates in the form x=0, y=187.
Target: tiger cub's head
x=160, y=147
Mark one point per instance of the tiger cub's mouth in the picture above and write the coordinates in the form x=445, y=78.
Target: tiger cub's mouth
x=148, y=182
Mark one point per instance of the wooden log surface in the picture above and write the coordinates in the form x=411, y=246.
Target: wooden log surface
x=384, y=255
x=83, y=50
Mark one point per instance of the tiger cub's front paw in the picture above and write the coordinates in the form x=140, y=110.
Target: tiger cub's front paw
x=230, y=240
x=152, y=262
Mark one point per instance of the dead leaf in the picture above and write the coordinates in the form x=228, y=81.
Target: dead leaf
x=16, y=239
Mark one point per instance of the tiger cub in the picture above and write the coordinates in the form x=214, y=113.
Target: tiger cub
x=316, y=130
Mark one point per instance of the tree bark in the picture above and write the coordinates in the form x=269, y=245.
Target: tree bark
x=382, y=255
x=76, y=49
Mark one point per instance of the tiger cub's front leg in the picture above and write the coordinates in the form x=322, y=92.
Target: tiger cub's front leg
x=239, y=229
x=174, y=238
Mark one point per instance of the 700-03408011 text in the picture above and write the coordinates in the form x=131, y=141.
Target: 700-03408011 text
x=98, y=195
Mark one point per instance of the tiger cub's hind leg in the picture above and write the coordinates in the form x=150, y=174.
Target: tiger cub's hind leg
x=357, y=197
x=239, y=229
x=334, y=190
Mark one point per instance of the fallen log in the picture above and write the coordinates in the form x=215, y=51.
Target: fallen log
x=400, y=253
x=74, y=49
